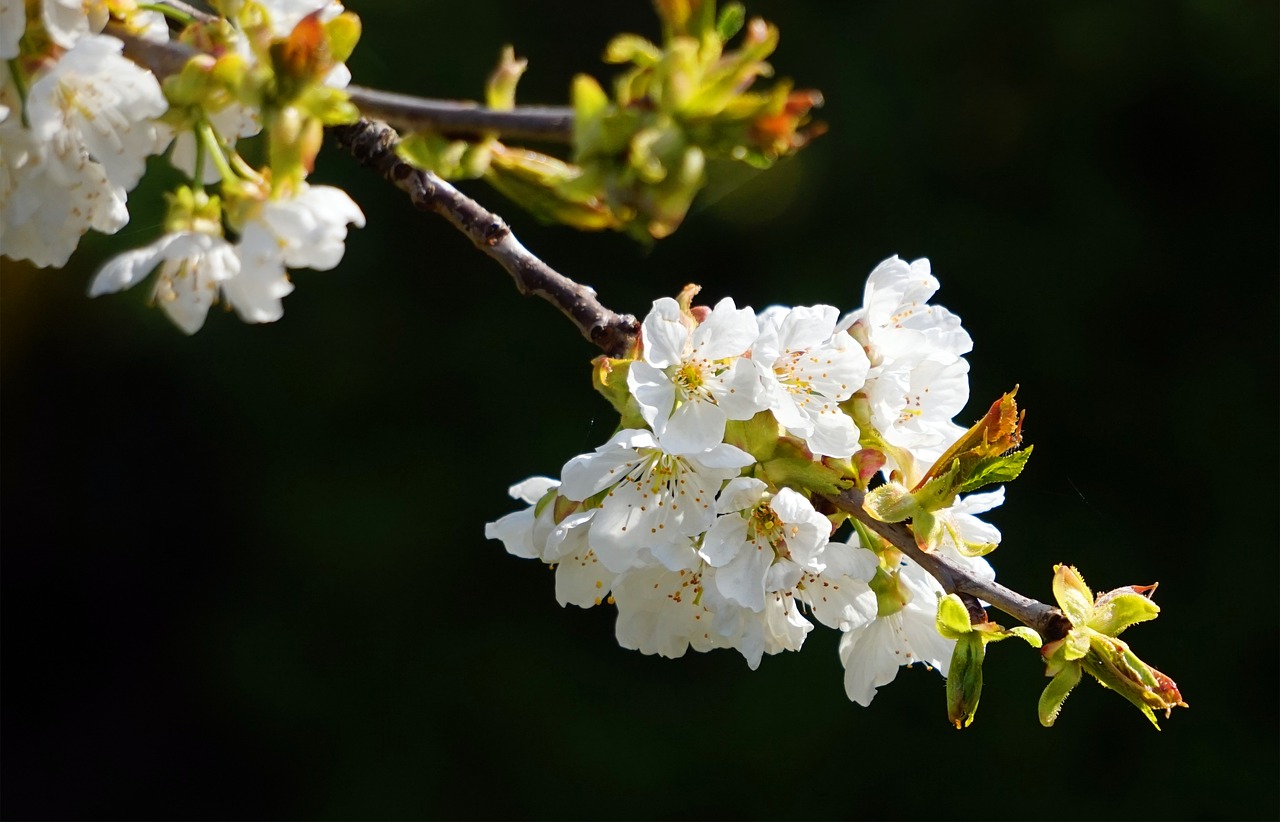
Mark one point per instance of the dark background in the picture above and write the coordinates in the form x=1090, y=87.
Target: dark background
x=244, y=573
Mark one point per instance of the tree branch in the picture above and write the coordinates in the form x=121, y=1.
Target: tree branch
x=461, y=118
x=373, y=146
x=1046, y=620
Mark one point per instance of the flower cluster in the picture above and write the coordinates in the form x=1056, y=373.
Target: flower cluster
x=78, y=120
x=704, y=519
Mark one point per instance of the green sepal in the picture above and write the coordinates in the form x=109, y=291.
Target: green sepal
x=869, y=539
x=964, y=678
x=995, y=469
x=1056, y=693
x=758, y=436
x=792, y=467
x=609, y=378
x=1116, y=610
x=1073, y=596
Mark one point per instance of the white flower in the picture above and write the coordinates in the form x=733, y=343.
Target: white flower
x=807, y=368
x=873, y=652
x=666, y=612
x=90, y=131
x=192, y=267
x=307, y=230
x=693, y=380
x=580, y=578
x=754, y=531
x=654, y=497
x=896, y=317
x=69, y=20
x=95, y=98
x=918, y=380
x=839, y=595
x=962, y=533
x=524, y=533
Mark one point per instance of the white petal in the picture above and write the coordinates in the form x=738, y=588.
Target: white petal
x=664, y=334
x=693, y=428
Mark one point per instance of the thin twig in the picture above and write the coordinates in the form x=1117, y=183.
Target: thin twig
x=373, y=146
x=1049, y=622
x=462, y=118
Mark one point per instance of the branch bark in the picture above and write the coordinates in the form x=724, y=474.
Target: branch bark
x=372, y=144
x=462, y=118
x=1046, y=620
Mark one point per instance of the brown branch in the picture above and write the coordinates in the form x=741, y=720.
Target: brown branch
x=373, y=146
x=1046, y=620
x=452, y=118
x=461, y=118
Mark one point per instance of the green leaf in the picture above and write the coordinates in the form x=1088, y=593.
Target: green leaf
x=1032, y=638
x=940, y=491
x=953, y=618
x=995, y=469
x=1116, y=610
x=1074, y=597
x=1056, y=693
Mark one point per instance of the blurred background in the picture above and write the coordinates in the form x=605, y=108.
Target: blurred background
x=244, y=573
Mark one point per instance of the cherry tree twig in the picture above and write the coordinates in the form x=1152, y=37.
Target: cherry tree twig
x=462, y=118
x=1046, y=620
x=372, y=144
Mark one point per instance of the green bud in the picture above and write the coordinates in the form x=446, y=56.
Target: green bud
x=891, y=595
x=964, y=679
x=500, y=90
x=891, y=502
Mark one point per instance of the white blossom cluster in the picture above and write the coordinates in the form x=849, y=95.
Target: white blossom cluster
x=684, y=532
x=77, y=123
